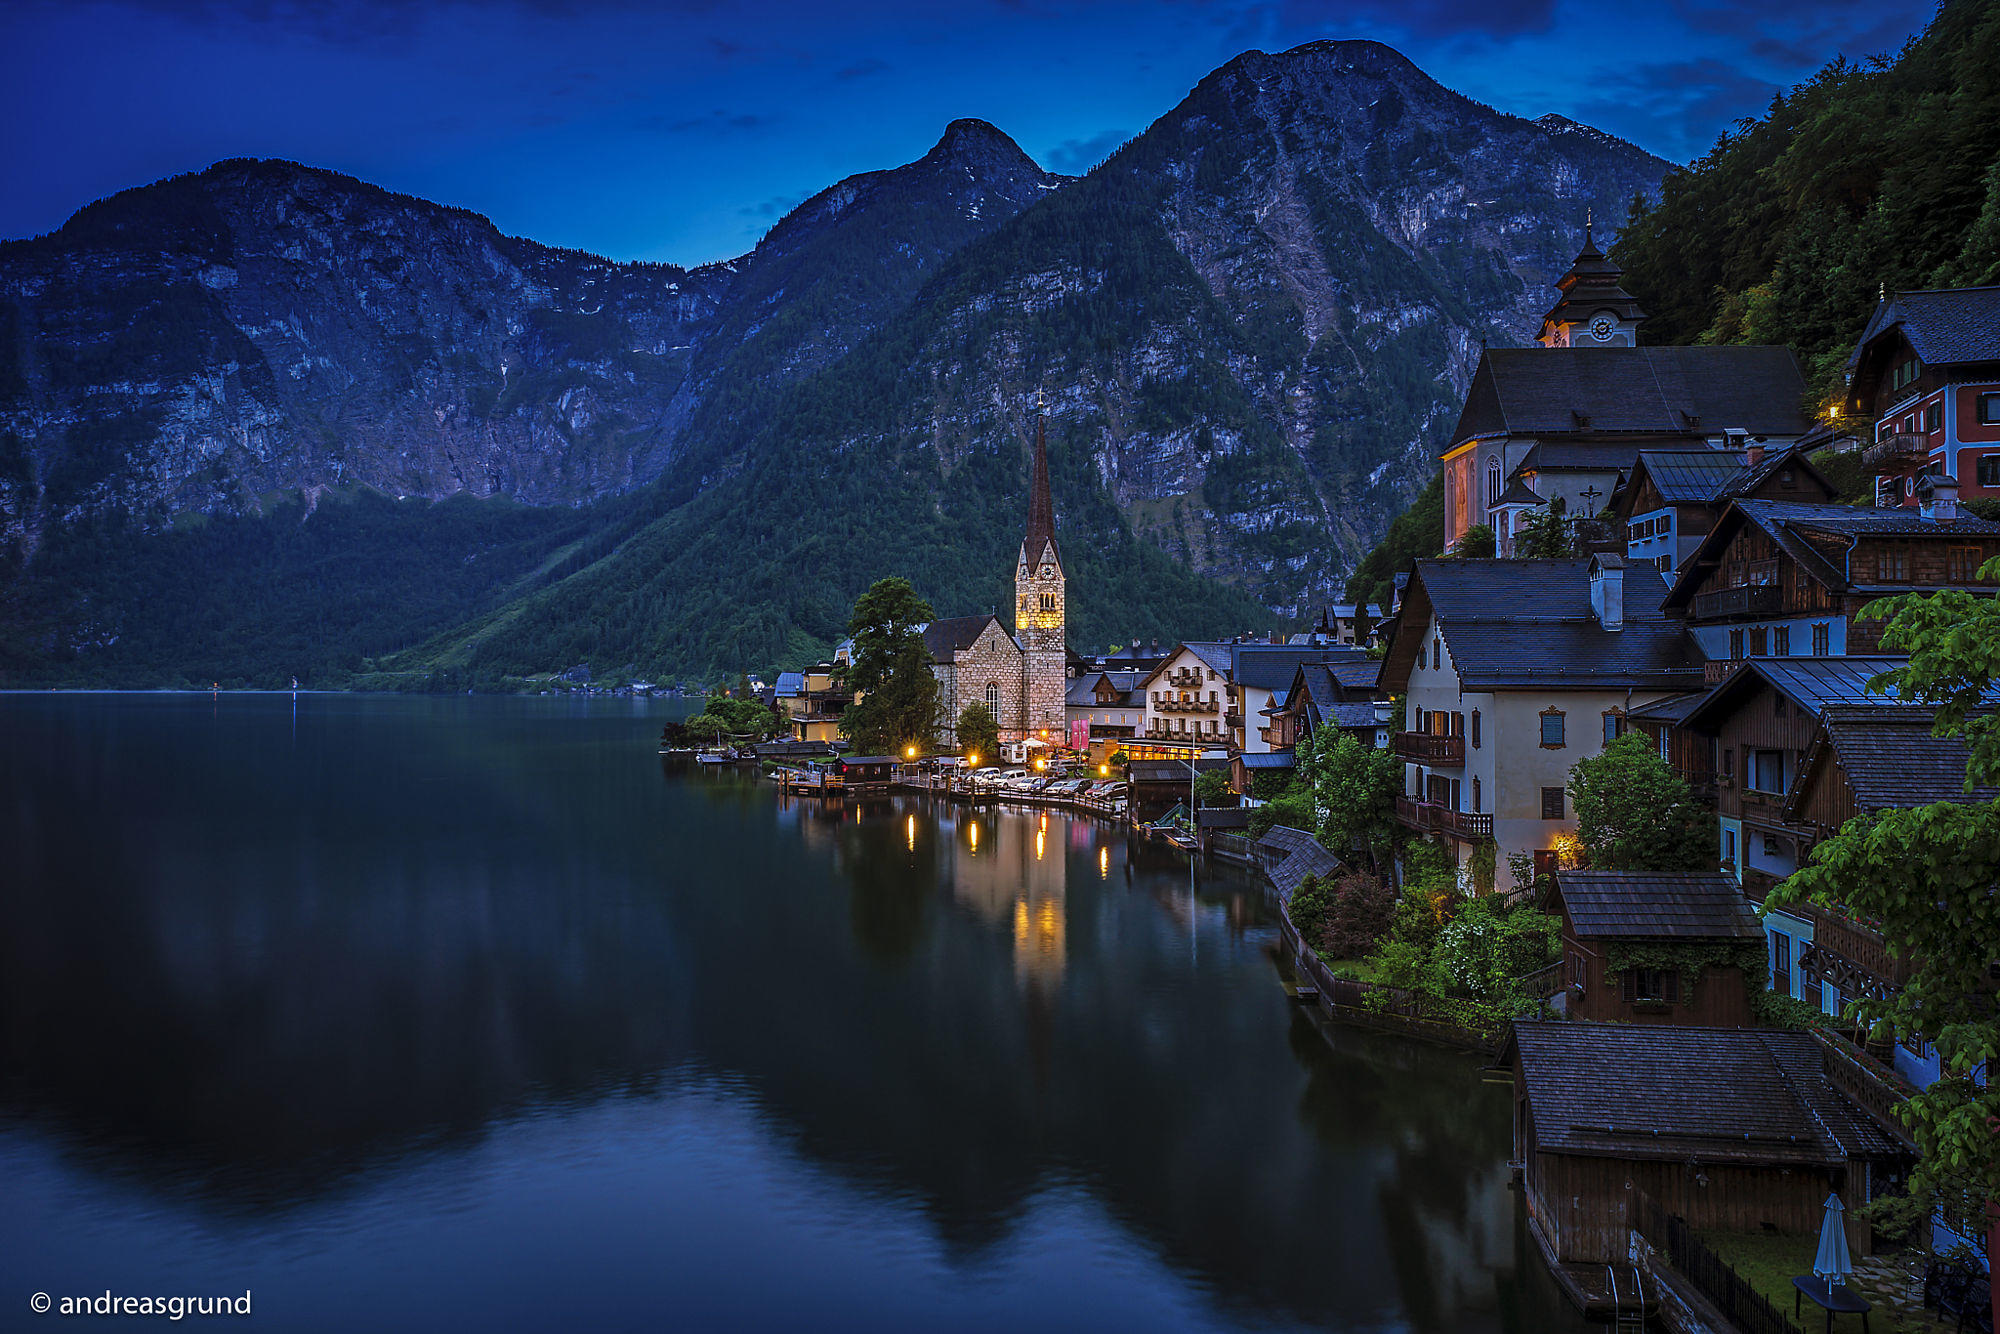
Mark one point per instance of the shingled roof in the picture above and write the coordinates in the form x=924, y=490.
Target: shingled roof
x=1290, y=855
x=1889, y=759
x=1671, y=391
x=1528, y=623
x=1946, y=326
x=1656, y=1091
x=1653, y=905
x=1793, y=526
x=1271, y=667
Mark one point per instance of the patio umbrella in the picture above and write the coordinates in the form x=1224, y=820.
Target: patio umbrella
x=1832, y=1262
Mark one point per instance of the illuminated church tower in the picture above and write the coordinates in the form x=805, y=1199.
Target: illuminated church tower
x=1038, y=607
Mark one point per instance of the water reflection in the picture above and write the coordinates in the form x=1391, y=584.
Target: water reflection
x=287, y=987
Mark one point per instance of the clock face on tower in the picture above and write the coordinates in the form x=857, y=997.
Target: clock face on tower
x=1048, y=572
x=1602, y=327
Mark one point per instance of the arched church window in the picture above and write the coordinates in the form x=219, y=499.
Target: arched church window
x=993, y=699
x=1492, y=482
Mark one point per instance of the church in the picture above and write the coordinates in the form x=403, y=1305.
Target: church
x=1022, y=677
x=1566, y=418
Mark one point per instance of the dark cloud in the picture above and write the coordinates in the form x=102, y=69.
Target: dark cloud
x=1802, y=35
x=1073, y=157
x=861, y=69
x=777, y=206
x=1678, y=105
x=1436, y=20
x=714, y=122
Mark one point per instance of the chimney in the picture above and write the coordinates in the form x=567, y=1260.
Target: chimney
x=1753, y=453
x=1944, y=500
x=1607, y=590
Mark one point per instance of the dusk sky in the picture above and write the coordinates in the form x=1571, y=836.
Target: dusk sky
x=681, y=131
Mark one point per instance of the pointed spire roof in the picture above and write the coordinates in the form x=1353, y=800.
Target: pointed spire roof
x=1041, y=507
x=1590, y=285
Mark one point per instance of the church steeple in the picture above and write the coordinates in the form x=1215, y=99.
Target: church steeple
x=1593, y=310
x=1041, y=535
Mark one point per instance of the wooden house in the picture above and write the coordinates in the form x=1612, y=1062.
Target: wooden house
x=1670, y=499
x=1734, y=1129
x=1639, y=946
x=1925, y=375
x=1781, y=579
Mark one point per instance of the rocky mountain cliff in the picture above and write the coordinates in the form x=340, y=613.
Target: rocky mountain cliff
x=1252, y=325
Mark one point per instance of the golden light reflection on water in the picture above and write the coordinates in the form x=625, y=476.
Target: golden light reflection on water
x=910, y=832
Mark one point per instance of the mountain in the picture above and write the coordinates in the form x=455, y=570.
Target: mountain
x=1252, y=324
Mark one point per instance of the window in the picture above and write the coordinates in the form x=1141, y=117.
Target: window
x=1961, y=564
x=1610, y=728
x=1781, y=642
x=1653, y=986
x=1820, y=637
x=1667, y=746
x=1552, y=803
x=1767, y=771
x=1771, y=848
x=1475, y=729
x=1933, y=417
x=1759, y=646
x=1437, y=652
x=1988, y=472
x=993, y=699
x=1735, y=645
x=1729, y=762
x=1729, y=846
x=1989, y=409
x=1892, y=564
x=1552, y=729
x=1492, y=482
x=1781, y=963
x=1476, y=807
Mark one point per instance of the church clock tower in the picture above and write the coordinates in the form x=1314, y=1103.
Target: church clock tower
x=1038, y=608
x=1594, y=310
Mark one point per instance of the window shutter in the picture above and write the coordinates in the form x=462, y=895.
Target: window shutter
x=1673, y=987
x=1631, y=985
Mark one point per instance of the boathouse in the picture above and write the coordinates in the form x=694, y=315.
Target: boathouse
x=1657, y=947
x=1733, y=1129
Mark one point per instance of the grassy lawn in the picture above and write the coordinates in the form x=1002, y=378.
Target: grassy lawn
x=1768, y=1263
x=1356, y=970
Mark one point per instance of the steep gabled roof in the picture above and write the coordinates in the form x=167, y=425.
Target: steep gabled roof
x=1888, y=758
x=955, y=634
x=1947, y=326
x=1793, y=525
x=1271, y=667
x=1219, y=657
x=1521, y=624
x=1666, y=1092
x=1669, y=391
x=1656, y=905
x=1811, y=684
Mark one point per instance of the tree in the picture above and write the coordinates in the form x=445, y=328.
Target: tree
x=1926, y=879
x=1354, y=789
x=733, y=717
x=1478, y=542
x=1633, y=813
x=1546, y=534
x=1212, y=788
x=978, y=731
x=895, y=693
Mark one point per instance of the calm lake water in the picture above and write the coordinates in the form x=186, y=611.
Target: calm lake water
x=420, y=1014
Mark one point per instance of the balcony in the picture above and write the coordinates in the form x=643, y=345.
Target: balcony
x=1850, y=952
x=1232, y=720
x=1743, y=600
x=1168, y=704
x=1715, y=673
x=1429, y=748
x=1896, y=453
x=1429, y=817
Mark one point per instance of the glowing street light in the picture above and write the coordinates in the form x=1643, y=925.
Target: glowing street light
x=909, y=752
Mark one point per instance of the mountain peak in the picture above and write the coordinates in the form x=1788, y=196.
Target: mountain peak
x=970, y=141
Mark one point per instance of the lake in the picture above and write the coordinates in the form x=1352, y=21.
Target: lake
x=422, y=1013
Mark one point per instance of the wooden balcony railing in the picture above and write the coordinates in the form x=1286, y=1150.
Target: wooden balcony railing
x=1743, y=600
x=1866, y=1081
x=1430, y=748
x=1853, y=946
x=1895, y=453
x=1429, y=817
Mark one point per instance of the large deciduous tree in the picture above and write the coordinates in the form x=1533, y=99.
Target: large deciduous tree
x=1354, y=788
x=895, y=693
x=979, y=732
x=1927, y=878
x=1633, y=813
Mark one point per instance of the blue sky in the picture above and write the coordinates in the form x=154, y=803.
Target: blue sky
x=681, y=130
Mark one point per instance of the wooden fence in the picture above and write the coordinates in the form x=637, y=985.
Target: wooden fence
x=1679, y=1246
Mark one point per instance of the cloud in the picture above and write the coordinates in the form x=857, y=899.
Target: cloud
x=1802, y=35
x=1433, y=19
x=1073, y=157
x=714, y=122
x=1678, y=106
x=861, y=69
x=777, y=206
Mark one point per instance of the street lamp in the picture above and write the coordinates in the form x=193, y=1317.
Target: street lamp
x=909, y=752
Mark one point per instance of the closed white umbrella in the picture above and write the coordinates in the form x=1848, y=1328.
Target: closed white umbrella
x=1833, y=1263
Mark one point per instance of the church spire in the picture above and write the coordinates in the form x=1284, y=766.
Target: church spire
x=1041, y=508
